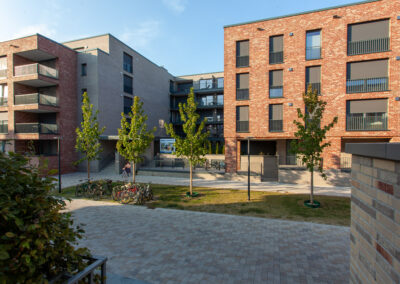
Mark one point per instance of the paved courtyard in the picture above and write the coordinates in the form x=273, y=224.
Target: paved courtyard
x=173, y=246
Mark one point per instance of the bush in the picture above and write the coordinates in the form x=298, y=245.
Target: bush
x=37, y=241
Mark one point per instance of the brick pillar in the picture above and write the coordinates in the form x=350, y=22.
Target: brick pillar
x=230, y=155
x=331, y=155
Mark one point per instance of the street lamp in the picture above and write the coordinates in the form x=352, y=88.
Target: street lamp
x=248, y=168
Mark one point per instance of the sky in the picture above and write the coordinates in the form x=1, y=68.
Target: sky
x=184, y=36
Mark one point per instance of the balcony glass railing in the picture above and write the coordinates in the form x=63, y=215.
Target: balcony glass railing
x=275, y=125
x=276, y=92
x=313, y=52
x=36, y=98
x=35, y=68
x=366, y=121
x=201, y=85
x=3, y=101
x=3, y=73
x=41, y=128
x=242, y=126
x=3, y=126
x=242, y=94
x=314, y=87
x=367, y=85
x=276, y=57
x=242, y=61
x=368, y=46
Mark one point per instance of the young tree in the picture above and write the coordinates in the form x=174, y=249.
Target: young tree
x=134, y=138
x=87, y=138
x=310, y=141
x=192, y=147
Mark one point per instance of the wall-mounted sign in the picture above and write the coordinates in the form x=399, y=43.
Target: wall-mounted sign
x=167, y=146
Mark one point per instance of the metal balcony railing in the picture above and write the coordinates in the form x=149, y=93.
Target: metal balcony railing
x=3, y=73
x=3, y=101
x=36, y=98
x=35, y=68
x=210, y=85
x=276, y=57
x=3, y=126
x=201, y=104
x=313, y=52
x=41, y=128
x=367, y=121
x=275, y=125
x=368, y=46
x=242, y=94
x=276, y=91
x=367, y=85
x=242, y=61
x=314, y=87
x=242, y=126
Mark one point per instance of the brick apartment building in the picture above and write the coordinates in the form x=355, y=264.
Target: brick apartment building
x=209, y=94
x=350, y=54
x=38, y=99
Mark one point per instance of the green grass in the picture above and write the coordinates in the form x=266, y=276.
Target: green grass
x=333, y=210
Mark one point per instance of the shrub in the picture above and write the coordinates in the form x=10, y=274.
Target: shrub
x=37, y=241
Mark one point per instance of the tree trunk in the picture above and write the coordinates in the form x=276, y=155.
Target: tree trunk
x=88, y=170
x=312, y=187
x=133, y=173
x=191, y=179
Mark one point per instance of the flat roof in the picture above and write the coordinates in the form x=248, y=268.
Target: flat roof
x=302, y=13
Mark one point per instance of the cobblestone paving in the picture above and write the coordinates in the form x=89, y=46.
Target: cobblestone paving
x=173, y=246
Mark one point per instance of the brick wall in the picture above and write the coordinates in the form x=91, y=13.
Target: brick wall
x=333, y=74
x=375, y=213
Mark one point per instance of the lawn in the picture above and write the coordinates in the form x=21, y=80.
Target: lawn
x=333, y=210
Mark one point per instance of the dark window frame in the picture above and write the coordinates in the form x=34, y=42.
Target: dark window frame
x=128, y=89
x=320, y=45
x=127, y=66
x=84, y=69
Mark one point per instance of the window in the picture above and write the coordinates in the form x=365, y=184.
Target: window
x=276, y=84
x=367, y=115
x=242, y=86
x=128, y=102
x=3, y=95
x=367, y=76
x=3, y=67
x=242, y=53
x=276, y=49
x=206, y=83
x=84, y=69
x=220, y=83
x=313, y=78
x=242, y=119
x=128, y=84
x=3, y=122
x=276, y=118
x=127, y=63
x=220, y=100
x=313, y=45
x=368, y=37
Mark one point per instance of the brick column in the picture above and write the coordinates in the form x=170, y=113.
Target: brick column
x=230, y=155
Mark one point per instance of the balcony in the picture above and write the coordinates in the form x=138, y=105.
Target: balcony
x=314, y=87
x=367, y=121
x=3, y=101
x=368, y=46
x=242, y=61
x=36, y=98
x=313, y=52
x=3, y=73
x=275, y=125
x=276, y=57
x=242, y=126
x=276, y=91
x=40, y=128
x=367, y=85
x=213, y=104
x=3, y=126
x=242, y=94
x=35, y=68
x=200, y=85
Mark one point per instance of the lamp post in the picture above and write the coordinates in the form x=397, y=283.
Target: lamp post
x=59, y=162
x=248, y=168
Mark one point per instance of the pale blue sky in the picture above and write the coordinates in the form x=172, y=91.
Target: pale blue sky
x=185, y=36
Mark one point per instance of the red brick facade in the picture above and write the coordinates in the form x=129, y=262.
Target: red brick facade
x=333, y=24
x=38, y=49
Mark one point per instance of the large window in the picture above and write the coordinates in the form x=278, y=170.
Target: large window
x=128, y=84
x=313, y=78
x=206, y=83
x=220, y=100
x=242, y=86
x=313, y=45
x=242, y=118
x=368, y=37
x=3, y=95
x=83, y=69
x=276, y=49
x=127, y=105
x=276, y=117
x=127, y=63
x=364, y=115
x=276, y=84
x=242, y=53
x=367, y=76
x=220, y=83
